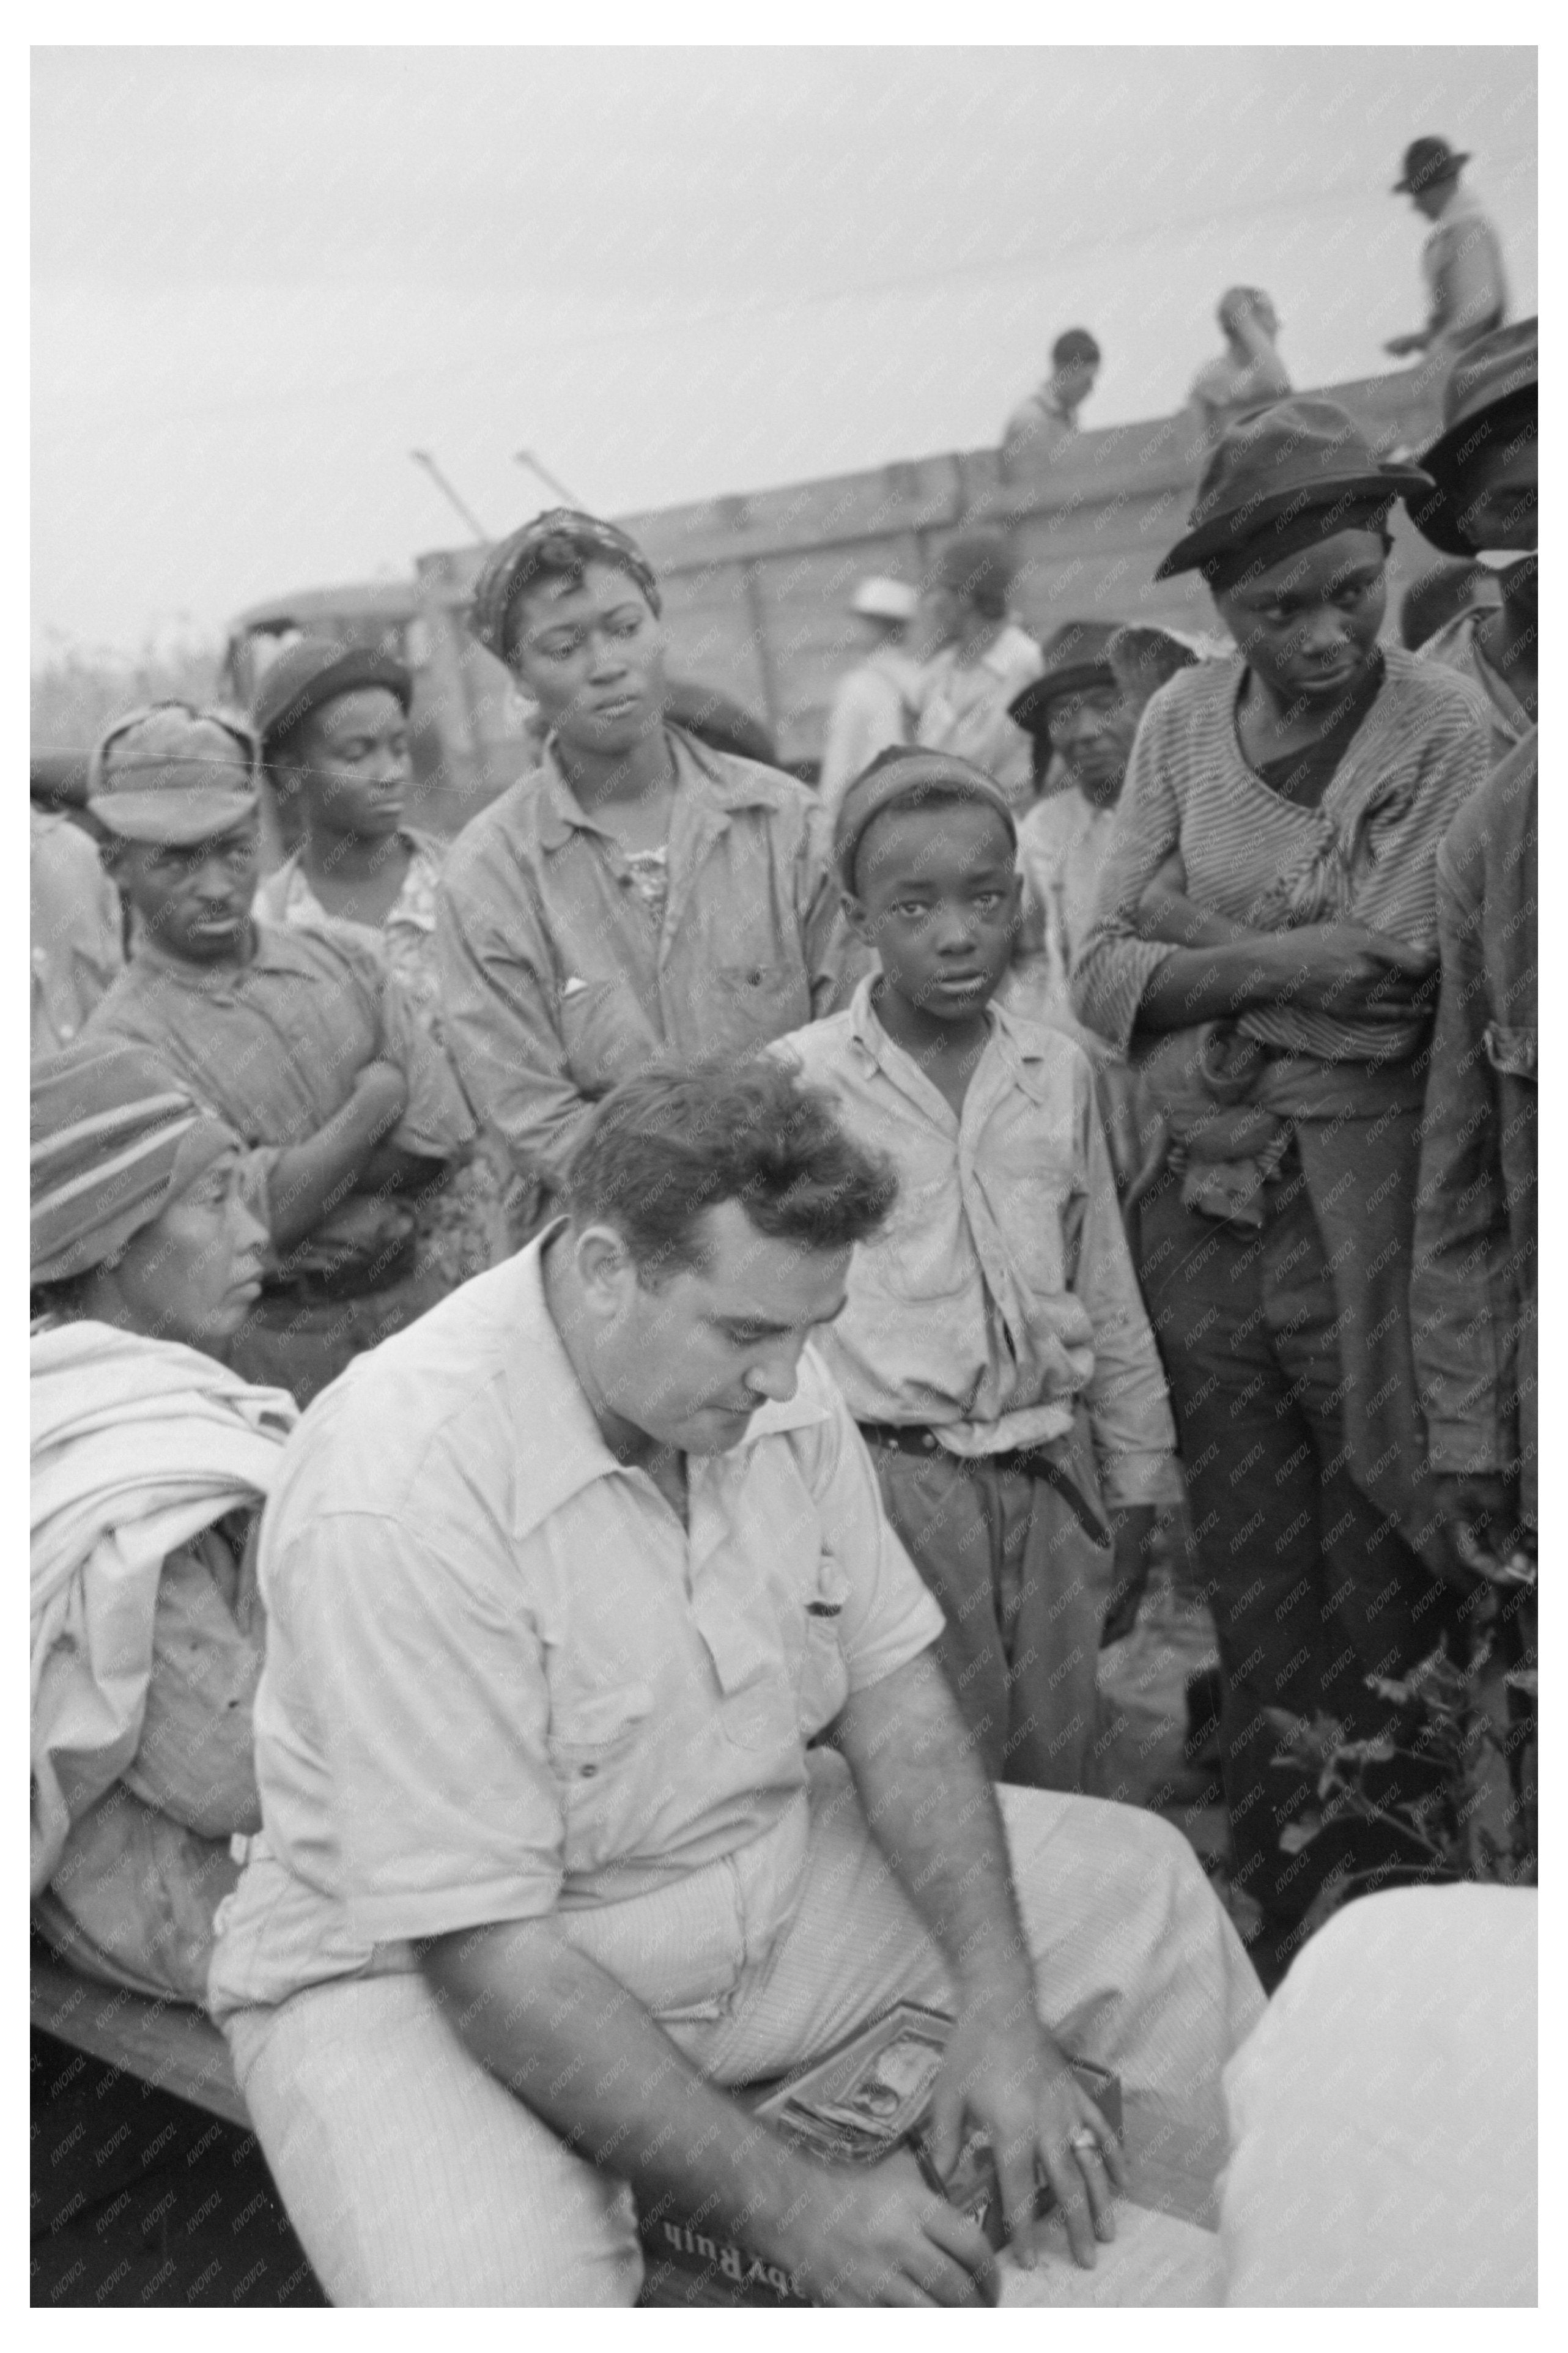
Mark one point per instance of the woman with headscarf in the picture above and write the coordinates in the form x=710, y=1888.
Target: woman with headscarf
x=1274, y=986
x=150, y=1463
x=639, y=897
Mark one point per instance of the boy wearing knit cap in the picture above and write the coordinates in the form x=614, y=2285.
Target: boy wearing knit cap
x=301, y=1041
x=994, y=1348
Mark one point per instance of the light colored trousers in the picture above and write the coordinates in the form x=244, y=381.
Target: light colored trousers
x=1384, y=2113
x=413, y=2178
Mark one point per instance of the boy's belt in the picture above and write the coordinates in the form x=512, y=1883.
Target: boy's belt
x=1033, y=1461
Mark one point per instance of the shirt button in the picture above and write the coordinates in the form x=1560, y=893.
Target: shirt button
x=587, y=1772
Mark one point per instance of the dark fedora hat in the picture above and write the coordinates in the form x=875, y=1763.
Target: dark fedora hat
x=1266, y=470
x=1075, y=658
x=1491, y=391
x=1425, y=161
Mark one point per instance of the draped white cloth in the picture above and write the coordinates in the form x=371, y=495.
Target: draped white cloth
x=137, y=1445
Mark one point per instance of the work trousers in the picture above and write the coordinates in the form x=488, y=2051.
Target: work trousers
x=1312, y=1588
x=413, y=2177
x=1024, y=1590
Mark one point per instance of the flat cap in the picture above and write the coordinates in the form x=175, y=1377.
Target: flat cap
x=170, y=773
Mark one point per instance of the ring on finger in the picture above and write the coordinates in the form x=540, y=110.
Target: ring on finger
x=1084, y=2140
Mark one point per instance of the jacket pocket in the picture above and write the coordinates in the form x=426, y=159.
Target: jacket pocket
x=603, y=1034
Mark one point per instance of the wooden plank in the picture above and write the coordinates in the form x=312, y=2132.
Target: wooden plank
x=168, y=2044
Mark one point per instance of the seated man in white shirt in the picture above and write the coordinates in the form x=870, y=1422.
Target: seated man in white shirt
x=560, y=1585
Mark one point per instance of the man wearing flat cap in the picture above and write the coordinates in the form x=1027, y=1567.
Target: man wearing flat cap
x=873, y=704
x=1484, y=465
x=299, y=1040
x=982, y=661
x=640, y=897
x=1461, y=260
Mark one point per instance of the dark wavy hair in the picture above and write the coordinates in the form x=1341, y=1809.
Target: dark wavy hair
x=663, y=1148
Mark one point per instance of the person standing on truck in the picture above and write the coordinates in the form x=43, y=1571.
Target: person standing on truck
x=641, y=896
x=1249, y=371
x=873, y=704
x=1461, y=260
x=1047, y=421
x=299, y=1040
x=983, y=660
x=332, y=721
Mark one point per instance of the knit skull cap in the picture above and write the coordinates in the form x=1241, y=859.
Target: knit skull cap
x=1491, y=394
x=313, y=672
x=561, y=539
x=906, y=777
x=1272, y=477
x=170, y=773
x=116, y=1136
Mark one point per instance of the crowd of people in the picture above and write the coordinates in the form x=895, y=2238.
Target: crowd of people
x=768, y=1270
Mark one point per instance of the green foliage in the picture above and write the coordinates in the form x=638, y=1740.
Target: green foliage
x=1438, y=1723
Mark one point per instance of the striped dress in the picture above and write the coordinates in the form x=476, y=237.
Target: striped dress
x=1366, y=854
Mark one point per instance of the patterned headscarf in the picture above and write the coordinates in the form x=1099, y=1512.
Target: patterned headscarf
x=561, y=540
x=115, y=1138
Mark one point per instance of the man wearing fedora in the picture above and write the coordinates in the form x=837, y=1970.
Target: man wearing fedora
x=873, y=704
x=1264, y=947
x=1461, y=260
x=1484, y=464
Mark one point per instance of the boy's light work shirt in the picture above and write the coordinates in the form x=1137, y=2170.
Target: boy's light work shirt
x=555, y=980
x=504, y=1679
x=1001, y=1292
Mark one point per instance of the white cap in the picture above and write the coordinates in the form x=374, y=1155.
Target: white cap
x=881, y=599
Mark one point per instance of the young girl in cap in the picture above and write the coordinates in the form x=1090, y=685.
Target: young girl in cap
x=334, y=726
x=150, y=1461
x=1273, y=984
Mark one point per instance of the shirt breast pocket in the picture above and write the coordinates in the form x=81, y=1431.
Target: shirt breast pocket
x=603, y=1034
x=918, y=1254
x=756, y=1000
x=1030, y=1194
x=592, y=1742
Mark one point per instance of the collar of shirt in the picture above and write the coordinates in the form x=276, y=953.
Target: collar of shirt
x=204, y=980
x=1008, y=1056
x=731, y=784
x=562, y=1447
x=414, y=906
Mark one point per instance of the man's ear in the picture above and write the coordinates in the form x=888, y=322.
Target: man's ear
x=605, y=1268
x=115, y=856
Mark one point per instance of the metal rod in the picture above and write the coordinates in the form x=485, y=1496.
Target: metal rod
x=423, y=458
x=526, y=457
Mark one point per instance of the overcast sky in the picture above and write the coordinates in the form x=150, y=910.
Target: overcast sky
x=262, y=276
